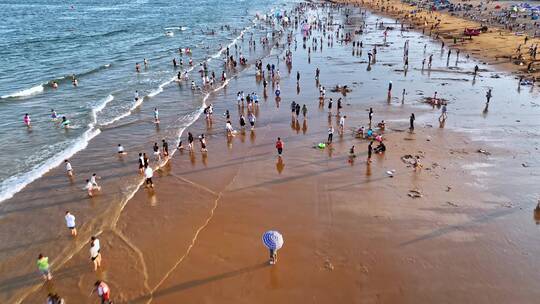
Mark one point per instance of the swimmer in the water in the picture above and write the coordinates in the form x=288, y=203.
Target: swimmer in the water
x=121, y=150
x=54, y=116
x=136, y=95
x=54, y=85
x=65, y=122
x=137, y=67
x=145, y=62
x=27, y=120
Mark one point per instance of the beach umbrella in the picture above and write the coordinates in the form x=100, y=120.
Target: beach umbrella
x=272, y=239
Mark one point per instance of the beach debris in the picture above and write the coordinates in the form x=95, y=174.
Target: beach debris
x=448, y=188
x=390, y=173
x=415, y=193
x=525, y=165
x=483, y=152
x=452, y=204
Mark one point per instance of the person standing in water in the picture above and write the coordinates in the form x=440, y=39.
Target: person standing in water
x=43, y=266
x=304, y=111
x=121, y=150
x=190, y=141
x=156, y=116
x=279, y=146
x=103, y=291
x=488, y=96
x=95, y=254
x=157, y=154
x=342, y=124
x=411, y=122
x=370, y=115
x=70, y=223
x=89, y=188
x=330, y=134
x=148, y=174
x=69, y=169
x=369, y=151
x=251, y=119
x=165, y=147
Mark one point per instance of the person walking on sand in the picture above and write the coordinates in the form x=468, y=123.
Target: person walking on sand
x=70, y=223
x=411, y=122
x=43, y=266
x=95, y=254
x=69, y=169
x=279, y=146
x=103, y=291
x=148, y=173
x=369, y=151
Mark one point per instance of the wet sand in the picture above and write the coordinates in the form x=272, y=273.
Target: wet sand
x=352, y=233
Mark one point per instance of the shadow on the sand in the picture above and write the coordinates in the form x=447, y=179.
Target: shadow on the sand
x=473, y=222
x=199, y=282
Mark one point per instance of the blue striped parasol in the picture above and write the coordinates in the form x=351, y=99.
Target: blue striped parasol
x=272, y=240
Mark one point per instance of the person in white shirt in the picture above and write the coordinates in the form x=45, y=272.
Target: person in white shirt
x=93, y=180
x=342, y=124
x=89, y=187
x=95, y=252
x=69, y=169
x=148, y=173
x=121, y=150
x=330, y=134
x=70, y=223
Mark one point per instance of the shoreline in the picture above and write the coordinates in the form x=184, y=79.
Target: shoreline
x=495, y=48
x=209, y=212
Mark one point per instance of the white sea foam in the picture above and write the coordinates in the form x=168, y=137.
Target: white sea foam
x=100, y=106
x=26, y=92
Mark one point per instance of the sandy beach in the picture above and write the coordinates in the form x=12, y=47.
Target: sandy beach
x=460, y=230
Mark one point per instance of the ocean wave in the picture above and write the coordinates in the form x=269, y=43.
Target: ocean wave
x=100, y=106
x=179, y=28
x=25, y=92
x=16, y=183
